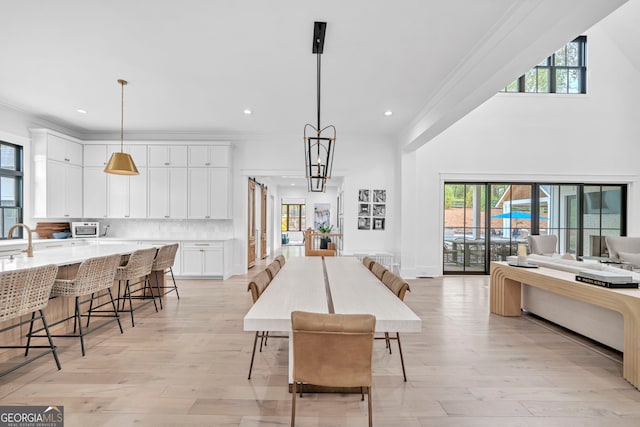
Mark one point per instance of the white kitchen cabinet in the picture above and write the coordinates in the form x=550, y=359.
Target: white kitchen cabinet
x=209, y=156
x=127, y=195
x=168, y=192
x=99, y=154
x=63, y=149
x=57, y=164
x=209, y=193
x=206, y=259
x=167, y=156
x=95, y=192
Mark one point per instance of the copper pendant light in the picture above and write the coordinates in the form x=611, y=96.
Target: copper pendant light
x=120, y=162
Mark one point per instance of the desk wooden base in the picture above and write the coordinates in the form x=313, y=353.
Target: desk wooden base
x=506, y=295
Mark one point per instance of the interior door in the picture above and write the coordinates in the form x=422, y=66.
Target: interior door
x=251, y=225
x=263, y=223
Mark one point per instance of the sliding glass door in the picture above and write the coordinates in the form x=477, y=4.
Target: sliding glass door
x=484, y=222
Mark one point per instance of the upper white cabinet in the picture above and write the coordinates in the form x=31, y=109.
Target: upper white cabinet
x=127, y=195
x=95, y=192
x=167, y=156
x=57, y=163
x=63, y=149
x=209, y=193
x=99, y=154
x=176, y=181
x=209, y=156
x=168, y=192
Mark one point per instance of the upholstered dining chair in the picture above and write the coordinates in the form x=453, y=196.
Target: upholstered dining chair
x=163, y=264
x=281, y=260
x=399, y=287
x=24, y=292
x=332, y=350
x=134, y=272
x=272, y=269
x=543, y=244
x=379, y=270
x=257, y=286
x=368, y=262
x=94, y=276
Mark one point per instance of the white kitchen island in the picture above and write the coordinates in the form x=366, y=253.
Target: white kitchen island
x=67, y=259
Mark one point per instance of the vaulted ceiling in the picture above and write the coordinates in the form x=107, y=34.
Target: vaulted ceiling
x=193, y=66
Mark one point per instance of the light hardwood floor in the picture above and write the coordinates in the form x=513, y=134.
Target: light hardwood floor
x=187, y=365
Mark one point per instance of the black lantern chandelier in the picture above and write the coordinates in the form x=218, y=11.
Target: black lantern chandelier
x=319, y=143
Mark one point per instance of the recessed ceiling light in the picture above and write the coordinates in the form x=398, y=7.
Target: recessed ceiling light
x=247, y=111
x=388, y=113
x=81, y=111
x=292, y=184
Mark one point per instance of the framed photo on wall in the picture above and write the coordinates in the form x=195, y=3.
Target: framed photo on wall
x=378, y=223
x=379, y=196
x=363, y=196
x=364, y=223
x=364, y=209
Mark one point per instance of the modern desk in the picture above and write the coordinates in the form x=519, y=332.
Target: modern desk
x=300, y=285
x=506, y=296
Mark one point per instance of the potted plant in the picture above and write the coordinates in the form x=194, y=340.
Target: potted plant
x=324, y=241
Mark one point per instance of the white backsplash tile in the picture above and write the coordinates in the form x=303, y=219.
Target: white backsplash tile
x=167, y=229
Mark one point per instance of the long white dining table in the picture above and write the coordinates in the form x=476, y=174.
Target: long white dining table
x=349, y=288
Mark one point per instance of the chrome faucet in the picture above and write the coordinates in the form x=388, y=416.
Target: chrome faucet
x=29, y=249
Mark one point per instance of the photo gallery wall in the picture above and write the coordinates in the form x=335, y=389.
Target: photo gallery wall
x=372, y=209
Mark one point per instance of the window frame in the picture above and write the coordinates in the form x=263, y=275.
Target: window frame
x=18, y=176
x=550, y=65
x=300, y=216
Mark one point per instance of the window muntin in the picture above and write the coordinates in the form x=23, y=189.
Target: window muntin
x=564, y=71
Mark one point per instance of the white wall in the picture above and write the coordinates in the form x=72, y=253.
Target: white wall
x=530, y=137
x=364, y=162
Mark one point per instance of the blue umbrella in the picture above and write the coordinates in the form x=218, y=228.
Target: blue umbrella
x=516, y=215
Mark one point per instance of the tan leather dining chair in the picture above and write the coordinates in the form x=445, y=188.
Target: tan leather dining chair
x=332, y=350
x=25, y=292
x=399, y=287
x=272, y=269
x=378, y=269
x=368, y=262
x=281, y=260
x=257, y=286
x=94, y=276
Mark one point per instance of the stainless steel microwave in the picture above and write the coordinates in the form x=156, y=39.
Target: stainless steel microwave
x=81, y=230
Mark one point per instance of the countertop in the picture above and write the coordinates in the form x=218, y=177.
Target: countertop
x=69, y=255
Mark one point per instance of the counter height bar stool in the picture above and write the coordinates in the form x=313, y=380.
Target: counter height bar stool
x=399, y=287
x=138, y=267
x=332, y=350
x=25, y=292
x=95, y=277
x=163, y=264
x=281, y=260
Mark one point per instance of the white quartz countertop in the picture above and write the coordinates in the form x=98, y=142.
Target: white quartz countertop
x=69, y=255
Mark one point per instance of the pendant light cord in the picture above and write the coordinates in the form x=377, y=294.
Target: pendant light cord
x=318, y=55
x=122, y=83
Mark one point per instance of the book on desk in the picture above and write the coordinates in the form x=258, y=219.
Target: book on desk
x=607, y=279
